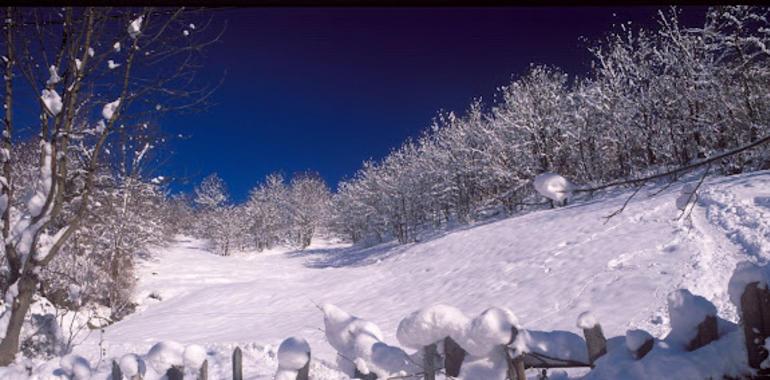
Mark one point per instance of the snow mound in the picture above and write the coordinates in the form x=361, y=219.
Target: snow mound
x=293, y=354
x=430, y=325
x=636, y=338
x=745, y=273
x=487, y=331
x=76, y=367
x=553, y=186
x=686, y=312
x=194, y=356
x=165, y=355
x=359, y=341
x=555, y=344
x=131, y=365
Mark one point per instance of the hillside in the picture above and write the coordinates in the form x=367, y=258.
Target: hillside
x=547, y=266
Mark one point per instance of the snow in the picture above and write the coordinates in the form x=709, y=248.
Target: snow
x=546, y=266
x=135, y=27
x=112, y=65
x=554, y=344
x=78, y=64
x=52, y=101
x=109, y=109
x=131, y=365
x=165, y=355
x=293, y=354
x=90, y=52
x=432, y=324
x=586, y=320
x=686, y=312
x=54, y=77
x=194, y=356
x=75, y=366
x=489, y=330
x=746, y=273
x=553, y=186
x=116, y=46
x=635, y=339
x=186, y=33
x=687, y=195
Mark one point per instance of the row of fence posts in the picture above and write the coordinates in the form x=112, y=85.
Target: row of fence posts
x=755, y=310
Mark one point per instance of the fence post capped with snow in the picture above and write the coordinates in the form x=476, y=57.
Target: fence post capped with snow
x=639, y=342
x=693, y=320
x=596, y=343
x=293, y=359
x=748, y=289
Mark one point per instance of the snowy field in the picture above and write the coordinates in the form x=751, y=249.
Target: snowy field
x=547, y=266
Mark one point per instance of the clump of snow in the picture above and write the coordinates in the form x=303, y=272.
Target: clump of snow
x=355, y=338
x=54, y=77
x=489, y=330
x=431, y=324
x=164, y=355
x=116, y=46
x=636, y=338
x=746, y=273
x=686, y=312
x=52, y=101
x=135, y=27
x=293, y=354
x=554, y=187
x=186, y=33
x=90, y=52
x=76, y=367
x=131, y=365
x=194, y=356
x=78, y=64
x=112, y=65
x=109, y=109
x=555, y=344
x=586, y=320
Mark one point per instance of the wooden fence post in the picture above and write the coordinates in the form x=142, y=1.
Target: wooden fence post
x=707, y=333
x=596, y=343
x=116, y=374
x=516, y=370
x=755, y=311
x=237, y=364
x=644, y=349
x=175, y=373
x=453, y=357
x=429, y=355
x=203, y=373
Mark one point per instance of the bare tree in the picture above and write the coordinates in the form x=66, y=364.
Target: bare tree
x=123, y=65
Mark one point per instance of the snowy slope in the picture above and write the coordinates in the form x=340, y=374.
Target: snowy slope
x=547, y=266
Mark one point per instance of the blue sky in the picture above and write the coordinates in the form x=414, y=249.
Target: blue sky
x=323, y=89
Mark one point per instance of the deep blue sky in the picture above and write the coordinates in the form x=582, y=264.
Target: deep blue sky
x=326, y=88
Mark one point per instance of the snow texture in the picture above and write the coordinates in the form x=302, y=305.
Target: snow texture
x=554, y=187
x=586, y=320
x=686, y=312
x=135, y=27
x=131, y=365
x=53, y=77
x=52, y=101
x=746, y=273
x=293, y=354
x=432, y=324
x=194, y=356
x=635, y=339
x=164, y=355
x=76, y=367
x=109, y=109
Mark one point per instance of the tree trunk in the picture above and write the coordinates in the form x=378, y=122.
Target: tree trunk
x=9, y=347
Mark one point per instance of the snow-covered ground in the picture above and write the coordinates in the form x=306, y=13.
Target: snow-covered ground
x=547, y=266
